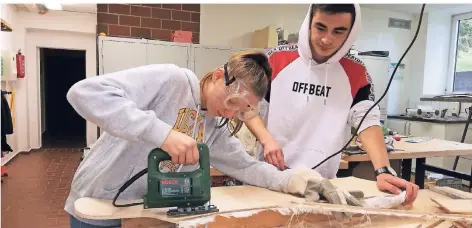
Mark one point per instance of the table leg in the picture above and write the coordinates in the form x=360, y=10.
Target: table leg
x=466, y=128
x=470, y=180
x=347, y=172
x=420, y=172
x=406, y=169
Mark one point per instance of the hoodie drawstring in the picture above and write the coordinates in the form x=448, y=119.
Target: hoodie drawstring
x=325, y=82
x=194, y=134
x=195, y=125
x=309, y=77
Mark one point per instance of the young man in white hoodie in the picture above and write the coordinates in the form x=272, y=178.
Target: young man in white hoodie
x=317, y=93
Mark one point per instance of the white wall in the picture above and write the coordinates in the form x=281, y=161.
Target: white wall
x=6, y=38
x=431, y=62
x=232, y=25
x=437, y=52
x=414, y=83
x=376, y=35
x=57, y=30
x=225, y=25
x=7, y=43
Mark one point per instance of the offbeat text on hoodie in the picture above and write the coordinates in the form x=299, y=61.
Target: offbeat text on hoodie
x=312, y=106
x=137, y=108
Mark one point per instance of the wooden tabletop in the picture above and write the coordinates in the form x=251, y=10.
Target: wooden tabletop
x=406, y=150
x=425, y=149
x=245, y=200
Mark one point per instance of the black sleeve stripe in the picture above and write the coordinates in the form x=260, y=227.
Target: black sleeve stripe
x=267, y=96
x=363, y=94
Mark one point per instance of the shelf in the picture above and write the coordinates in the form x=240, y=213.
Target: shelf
x=449, y=120
x=9, y=78
x=5, y=27
x=447, y=99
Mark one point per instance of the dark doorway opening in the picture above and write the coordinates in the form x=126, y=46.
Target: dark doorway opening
x=61, y=126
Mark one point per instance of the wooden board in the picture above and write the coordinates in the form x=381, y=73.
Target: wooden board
x=450, y=192
x=459, y=206
x=431, y=148
x=216, y=173
x=245, y=204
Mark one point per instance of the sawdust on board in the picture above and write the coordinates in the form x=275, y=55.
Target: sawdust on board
x=366, y=218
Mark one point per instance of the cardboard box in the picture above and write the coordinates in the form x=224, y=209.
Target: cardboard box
x=181, y=36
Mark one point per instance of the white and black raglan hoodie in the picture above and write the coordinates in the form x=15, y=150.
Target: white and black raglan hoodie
x=312, y=106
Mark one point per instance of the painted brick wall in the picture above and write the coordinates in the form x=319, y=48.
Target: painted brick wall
x=155, y=21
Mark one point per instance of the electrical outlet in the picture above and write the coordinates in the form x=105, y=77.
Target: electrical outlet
x=454, y=107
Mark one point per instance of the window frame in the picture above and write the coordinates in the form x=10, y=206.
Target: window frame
x=453, y=50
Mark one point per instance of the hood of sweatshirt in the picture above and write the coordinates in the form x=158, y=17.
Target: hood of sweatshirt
x=194, y=85
x=304, y=50
x=304, y=39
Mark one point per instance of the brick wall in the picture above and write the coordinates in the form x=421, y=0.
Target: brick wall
x=154, y=21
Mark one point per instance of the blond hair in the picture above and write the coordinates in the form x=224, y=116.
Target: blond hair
x=252, y=67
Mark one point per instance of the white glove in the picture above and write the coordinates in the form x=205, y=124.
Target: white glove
x=299, y=180
x=312, y=185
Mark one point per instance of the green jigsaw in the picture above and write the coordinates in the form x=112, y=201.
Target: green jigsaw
x=189, y=192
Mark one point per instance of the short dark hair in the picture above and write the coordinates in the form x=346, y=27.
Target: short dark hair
x=333, y=9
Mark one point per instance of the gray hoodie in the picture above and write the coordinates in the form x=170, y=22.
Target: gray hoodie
x=137, y=108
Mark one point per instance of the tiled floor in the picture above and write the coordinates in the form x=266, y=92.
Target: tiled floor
x=37, y=185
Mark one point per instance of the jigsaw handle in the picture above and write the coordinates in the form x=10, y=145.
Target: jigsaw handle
x=158, y=155
x=181, y=189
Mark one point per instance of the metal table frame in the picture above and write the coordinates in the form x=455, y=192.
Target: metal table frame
x=422, y=167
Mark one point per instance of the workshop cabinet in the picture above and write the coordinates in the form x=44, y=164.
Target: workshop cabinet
x=445, y=131
x=397, y=125
x=121, y=54
x=156, y=53
x=433, y=130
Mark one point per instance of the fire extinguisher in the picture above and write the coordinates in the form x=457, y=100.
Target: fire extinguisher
x=20, y=64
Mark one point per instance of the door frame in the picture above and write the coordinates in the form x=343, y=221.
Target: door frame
x=41, y=38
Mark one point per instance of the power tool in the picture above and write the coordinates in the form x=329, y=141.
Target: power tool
x=189, y=192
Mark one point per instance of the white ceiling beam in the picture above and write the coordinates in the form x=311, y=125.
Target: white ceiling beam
x=31, y=7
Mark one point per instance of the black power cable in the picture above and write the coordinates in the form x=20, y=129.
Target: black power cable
x=383, y=95
x=126, y=185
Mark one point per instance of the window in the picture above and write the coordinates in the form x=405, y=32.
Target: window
x=460, y=67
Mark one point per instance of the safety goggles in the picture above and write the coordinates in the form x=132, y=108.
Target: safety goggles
x=236, y=99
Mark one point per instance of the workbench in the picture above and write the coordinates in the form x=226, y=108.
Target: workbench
x=406, y=152
x=249, y=206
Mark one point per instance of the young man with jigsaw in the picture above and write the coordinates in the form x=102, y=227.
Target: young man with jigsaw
x=317, y=93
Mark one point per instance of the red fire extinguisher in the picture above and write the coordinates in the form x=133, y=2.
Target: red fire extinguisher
x=20, y=65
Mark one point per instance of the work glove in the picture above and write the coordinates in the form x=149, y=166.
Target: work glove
x=317, y=189
x=313, y=186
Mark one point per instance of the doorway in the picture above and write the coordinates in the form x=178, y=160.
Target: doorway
x=61, y=126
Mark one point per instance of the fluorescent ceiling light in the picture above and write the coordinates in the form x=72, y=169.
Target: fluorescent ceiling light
x=53, y=6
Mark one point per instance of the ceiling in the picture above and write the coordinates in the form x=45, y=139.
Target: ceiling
x=84, y=8
x=416, y=8
x=81, y=8
x=405, y=8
